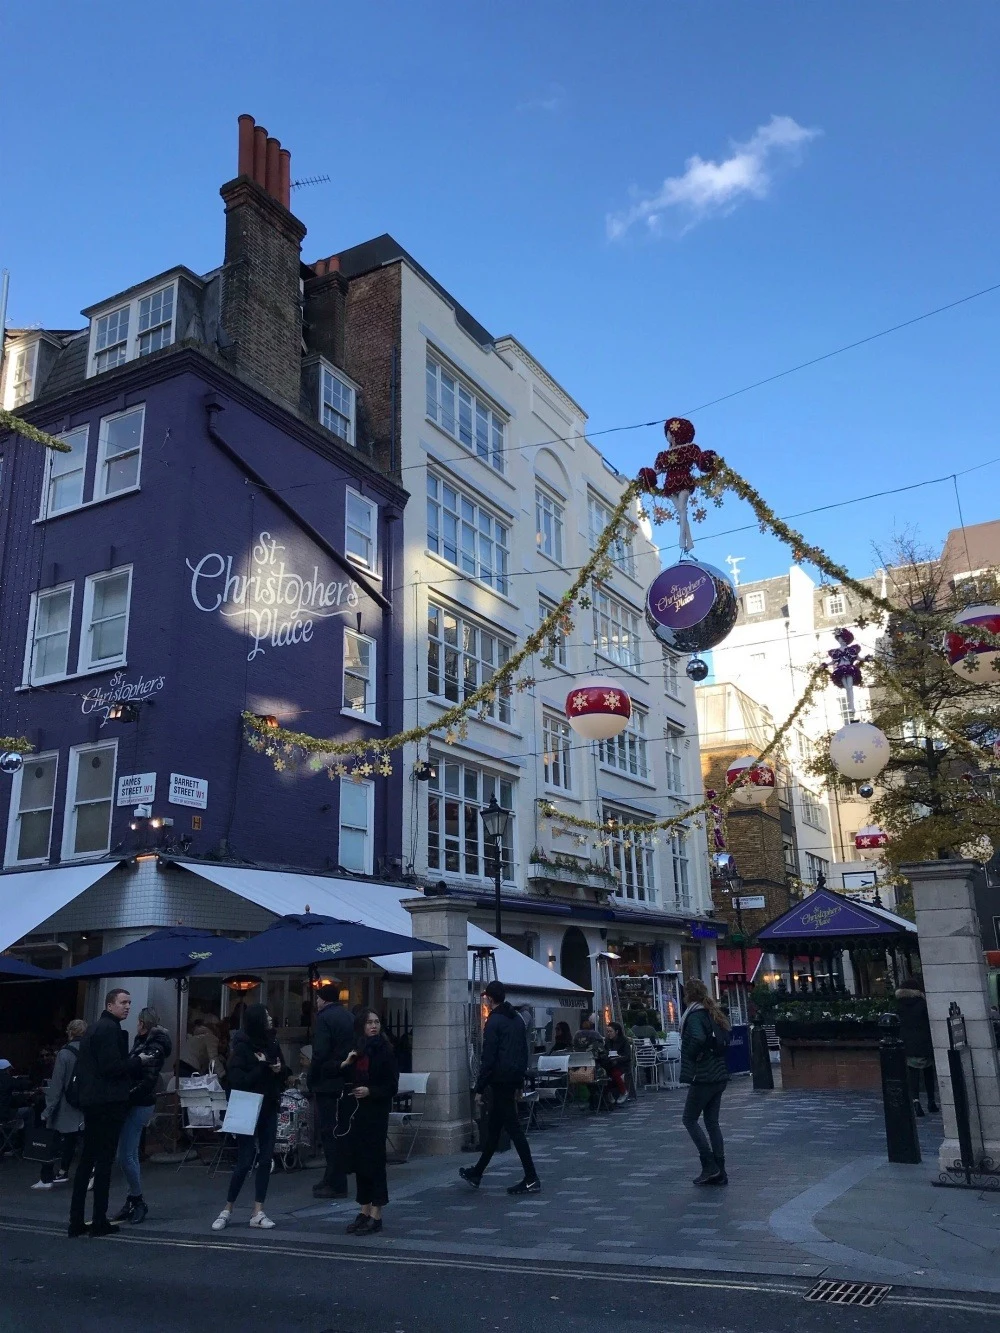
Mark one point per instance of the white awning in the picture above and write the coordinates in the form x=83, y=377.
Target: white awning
x=378, y=905
x=28, y=897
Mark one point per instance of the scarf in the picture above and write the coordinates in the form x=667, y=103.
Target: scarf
x=692, y=1008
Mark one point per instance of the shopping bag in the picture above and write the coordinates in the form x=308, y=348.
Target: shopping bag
x=242, y=1112
x=41, y=1145
x=202, y=1117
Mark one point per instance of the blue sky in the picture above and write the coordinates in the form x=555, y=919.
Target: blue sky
x=816, y=173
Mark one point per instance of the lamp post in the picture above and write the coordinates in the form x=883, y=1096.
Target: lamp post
x=495, y=823
x=727, y=865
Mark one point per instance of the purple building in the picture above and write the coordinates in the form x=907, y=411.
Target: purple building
x=223, y=536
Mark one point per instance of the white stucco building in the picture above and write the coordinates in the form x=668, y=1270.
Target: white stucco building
x=507, y=501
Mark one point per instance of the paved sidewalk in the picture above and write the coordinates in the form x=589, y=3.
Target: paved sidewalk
x=811, y=1195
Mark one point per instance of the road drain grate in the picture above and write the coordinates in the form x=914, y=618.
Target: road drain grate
x=848, y=1293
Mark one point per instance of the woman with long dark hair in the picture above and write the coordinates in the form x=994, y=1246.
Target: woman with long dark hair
x=372, y=1077
x=703, y=1067
x=255, y=1065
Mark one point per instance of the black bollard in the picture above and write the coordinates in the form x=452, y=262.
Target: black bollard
x=900, y=1121
x=760, y=1059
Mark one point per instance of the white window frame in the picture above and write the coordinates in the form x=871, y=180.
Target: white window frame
x=369, y=562
x=628, y=753
x=623, y=618
x=29, y=369
x=680, y=865
x=556, y=643
x=621, y=552
x=812, y=810
x=836, y=604
x=673, y=760
x=488, y=426
x=631, y=856
x=488, y=782
x=369, y=830
x=85, y=663
x=671, y=674
x=328, y=372
x=755, y=603
x=557, y=751
x=495, y=574
x=28, y=676
x=14, y=814
x=52, y=456
x=101, y=491
x=368, y=713
x=815, y=864
x=501, y=711
x=130, y=344
x=78, y=752
x=550, y=513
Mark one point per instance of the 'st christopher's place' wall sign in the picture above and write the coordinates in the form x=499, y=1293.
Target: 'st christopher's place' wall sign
x=279, y=605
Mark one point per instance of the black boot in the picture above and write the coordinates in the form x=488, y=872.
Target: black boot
x=125, y=1211
x=917, y=1108
x=721, y=1178
x=140, y=1211
x=710, y=1172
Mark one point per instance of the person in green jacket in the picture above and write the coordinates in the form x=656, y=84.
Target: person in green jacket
x=706, y=1073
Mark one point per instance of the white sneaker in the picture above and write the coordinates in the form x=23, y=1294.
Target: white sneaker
x=261, y=1220
x=61, y=1178
x=42, y=1185
x=222, y=1221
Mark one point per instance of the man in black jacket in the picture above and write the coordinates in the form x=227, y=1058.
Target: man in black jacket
x=501, y=1073
x=105, y=1073
x=333, y=1041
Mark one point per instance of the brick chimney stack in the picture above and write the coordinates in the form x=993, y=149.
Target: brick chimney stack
x=261, y=299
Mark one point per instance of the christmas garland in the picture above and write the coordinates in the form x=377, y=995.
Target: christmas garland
x=17, y=744
x=8, y=421
x=961, y=743
x=722, y=800
x=282, y=744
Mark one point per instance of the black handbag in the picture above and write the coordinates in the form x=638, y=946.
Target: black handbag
x=41, y=1144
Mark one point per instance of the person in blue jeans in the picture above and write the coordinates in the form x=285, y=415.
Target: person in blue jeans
x=151, y=1041
x=255, y=1065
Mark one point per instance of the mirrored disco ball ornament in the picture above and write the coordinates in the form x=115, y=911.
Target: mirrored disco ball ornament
x=597, y=708
x=969, y=657
x=691, y=606
x=696, y=669
x=866, y=790
x=10, y=762
x=859, y=751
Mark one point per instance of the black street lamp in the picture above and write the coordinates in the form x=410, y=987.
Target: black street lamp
x=726, y=865
x=495, y=823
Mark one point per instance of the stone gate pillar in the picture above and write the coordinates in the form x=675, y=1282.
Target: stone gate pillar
x=951, y=954
x=440, y=999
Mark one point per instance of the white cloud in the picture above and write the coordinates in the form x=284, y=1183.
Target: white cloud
x=708, y=188
x=553, y=99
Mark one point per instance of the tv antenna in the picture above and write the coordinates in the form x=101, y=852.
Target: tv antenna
x=309, y=180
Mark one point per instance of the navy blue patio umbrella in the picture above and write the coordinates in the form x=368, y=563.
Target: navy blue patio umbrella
x=310, y=940
x=172, y=952
x=12, y=969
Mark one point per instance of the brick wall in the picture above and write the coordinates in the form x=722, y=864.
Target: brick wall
x=261, y=301
x=754, y=840
x=372, y=339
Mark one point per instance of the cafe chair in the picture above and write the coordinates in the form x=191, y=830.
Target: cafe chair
x=10, y=1137
x=403, y=1116
x=670, y=1060
x=647, y=1067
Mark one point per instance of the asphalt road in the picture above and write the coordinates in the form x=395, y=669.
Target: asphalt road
x=150, y=1284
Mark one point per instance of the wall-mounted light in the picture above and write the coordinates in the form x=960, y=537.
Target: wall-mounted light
x=267, y=720
x=552, y=959
x=123, y=713
x=424, y=771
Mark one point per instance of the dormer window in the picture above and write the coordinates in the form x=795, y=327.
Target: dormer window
x=337, y=404
x=21, y=379
x=142, y=325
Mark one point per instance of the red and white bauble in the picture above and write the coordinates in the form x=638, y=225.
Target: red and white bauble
x=757, y=787
x=598, y=709
x=961, y=644
x=870, y=838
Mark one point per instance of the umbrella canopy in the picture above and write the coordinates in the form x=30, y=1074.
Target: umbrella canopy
x=171, y=952
x=310, y=941
x=12, y=969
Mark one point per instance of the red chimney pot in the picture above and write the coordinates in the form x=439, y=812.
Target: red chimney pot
x=273, y=181
x=285, y=178
x=245, y=167
x=260, y=154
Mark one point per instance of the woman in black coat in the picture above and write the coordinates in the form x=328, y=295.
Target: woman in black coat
x=255, y=1065
x=915, y=1034
x=372, y=1078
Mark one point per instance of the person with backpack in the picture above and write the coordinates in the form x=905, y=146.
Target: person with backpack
x=151, y=1039
x=502, y=1069
x=105, y=1073
x=704, y=1038
x=62, y=1109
